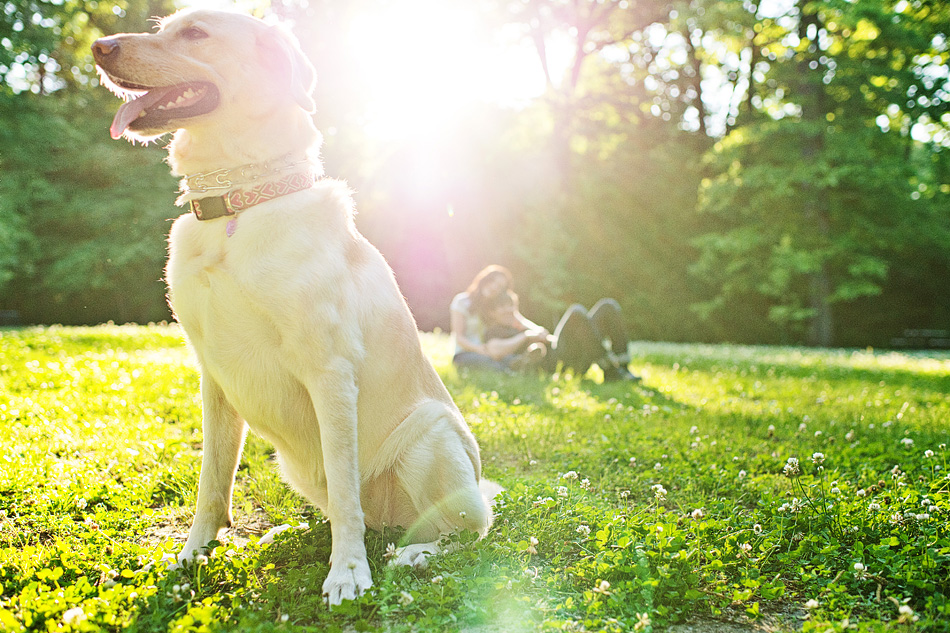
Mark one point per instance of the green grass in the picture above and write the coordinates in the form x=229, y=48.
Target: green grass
x=627, y=508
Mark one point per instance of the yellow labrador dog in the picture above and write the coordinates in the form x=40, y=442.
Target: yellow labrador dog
x=297, y=323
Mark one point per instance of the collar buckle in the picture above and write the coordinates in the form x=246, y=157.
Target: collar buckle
x=211, y=208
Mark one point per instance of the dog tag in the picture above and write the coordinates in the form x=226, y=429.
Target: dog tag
x=231, y=227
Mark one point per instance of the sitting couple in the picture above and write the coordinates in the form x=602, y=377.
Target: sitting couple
x=490, y=332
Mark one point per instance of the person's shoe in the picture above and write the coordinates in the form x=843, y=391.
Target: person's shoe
x=620, y=360
x=618, y=374
x=530, y=358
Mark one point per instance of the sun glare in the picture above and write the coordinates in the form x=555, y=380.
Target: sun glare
x=423, y=63
x=426, y=63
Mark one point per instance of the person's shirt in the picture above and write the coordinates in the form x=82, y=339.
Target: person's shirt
x=474, y=328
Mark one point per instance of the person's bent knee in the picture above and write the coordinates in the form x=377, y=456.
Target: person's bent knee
x=606, y=304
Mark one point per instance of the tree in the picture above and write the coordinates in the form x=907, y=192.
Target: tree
x=817, y=198
x=81, y=224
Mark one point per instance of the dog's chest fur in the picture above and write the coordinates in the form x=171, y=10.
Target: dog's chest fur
x=265, y=306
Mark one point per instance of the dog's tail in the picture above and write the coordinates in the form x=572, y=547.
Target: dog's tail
x=489, y=490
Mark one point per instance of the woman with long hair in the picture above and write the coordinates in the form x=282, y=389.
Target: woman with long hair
x=582, y=337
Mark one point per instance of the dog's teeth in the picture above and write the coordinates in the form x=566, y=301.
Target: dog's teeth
x=189, y=93
x=141, y=114
x=179, y=100
x=160, y=107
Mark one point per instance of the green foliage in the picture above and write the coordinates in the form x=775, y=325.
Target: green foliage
x=626, y=508
x=830, y=184
x=85, y=222
x=823, y=191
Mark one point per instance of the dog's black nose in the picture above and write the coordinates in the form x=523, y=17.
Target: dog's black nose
x=104, y=47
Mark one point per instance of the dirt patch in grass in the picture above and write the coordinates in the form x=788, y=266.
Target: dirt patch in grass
x=175, y=523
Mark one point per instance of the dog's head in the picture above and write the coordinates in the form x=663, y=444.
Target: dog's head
x=203, y=68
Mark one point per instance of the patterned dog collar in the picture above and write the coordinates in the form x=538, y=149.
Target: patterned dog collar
x=231, y=203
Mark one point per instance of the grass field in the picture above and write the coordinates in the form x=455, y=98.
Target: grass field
x=802, y=489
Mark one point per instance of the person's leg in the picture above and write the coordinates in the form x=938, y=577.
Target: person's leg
x=576, y=342
x=608, y=320
x=478, y=361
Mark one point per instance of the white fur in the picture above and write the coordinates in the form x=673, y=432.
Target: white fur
x=296, y=320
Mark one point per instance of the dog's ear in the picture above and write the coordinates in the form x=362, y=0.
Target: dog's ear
x=281, y=54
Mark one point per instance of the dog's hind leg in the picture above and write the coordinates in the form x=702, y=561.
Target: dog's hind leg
x=223, y=438
x=438, y=475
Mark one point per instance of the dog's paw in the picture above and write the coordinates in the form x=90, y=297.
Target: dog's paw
x=347, y=581
x=416, y=555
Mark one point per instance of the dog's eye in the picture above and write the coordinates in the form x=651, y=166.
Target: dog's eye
x=193, y=33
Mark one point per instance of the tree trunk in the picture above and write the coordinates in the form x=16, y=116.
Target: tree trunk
x=696, y=64
x=815, y=202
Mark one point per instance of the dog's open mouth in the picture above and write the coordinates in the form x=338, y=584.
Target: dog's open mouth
x=154, y=109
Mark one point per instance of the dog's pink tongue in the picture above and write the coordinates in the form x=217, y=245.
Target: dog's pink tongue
x=131, y=110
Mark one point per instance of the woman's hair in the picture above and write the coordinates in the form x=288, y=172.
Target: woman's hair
x=485, y=276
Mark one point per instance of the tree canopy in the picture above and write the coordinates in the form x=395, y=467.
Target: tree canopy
x=773, y=171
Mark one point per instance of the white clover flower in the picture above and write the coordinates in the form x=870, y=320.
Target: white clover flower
x=603, y=588
x=624, y=494
x=818, y=458
x=861, y=493
x=811, y=604
x=742, y=474
x=81, y=503
x=693, y=430
x=697, y=513
x=633, y=461
x=562, y=491
x=390, y=551
x=569, y=475
x=585, y=484
x=745, y=548
x=928, y=454
x=849, y=435
x=405, y=598
x=906, y=614
x=542, y=501
x=791, y=468
x=643, y=621
x=658, y=467
x=802, y=427
x=818, y=433
x=284, y=618
x=74, y=616
x=757, y=528
x=859, y=567
x=583, y=530
x=201, y=559
x=659, y=492
x=532, y=547
x=907, y=442
x=836, y=490
x=437, y=580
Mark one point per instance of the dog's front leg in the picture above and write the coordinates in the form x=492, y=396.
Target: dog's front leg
x=223, y=432
x=334, y=394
